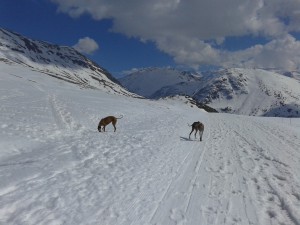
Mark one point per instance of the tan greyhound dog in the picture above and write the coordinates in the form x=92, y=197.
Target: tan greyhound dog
x=107, y=120
x=197, y=126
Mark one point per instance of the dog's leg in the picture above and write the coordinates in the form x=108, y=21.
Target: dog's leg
x=201, y=135
x=191, y=133
x=114, y=125
x=196, y=133
x=103, y=128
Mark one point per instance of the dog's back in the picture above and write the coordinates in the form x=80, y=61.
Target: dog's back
x=198, y=126
x=105, y=121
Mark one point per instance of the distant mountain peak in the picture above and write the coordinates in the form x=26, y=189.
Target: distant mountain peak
x=234, y=90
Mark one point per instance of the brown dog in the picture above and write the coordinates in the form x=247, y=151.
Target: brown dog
x=107, y=120
x=197, y=126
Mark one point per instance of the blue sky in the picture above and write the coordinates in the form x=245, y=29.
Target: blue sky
x=123, y=35
x=117, y=53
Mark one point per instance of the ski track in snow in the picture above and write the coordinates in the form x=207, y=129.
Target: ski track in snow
x=56, y=168
x=238, y=180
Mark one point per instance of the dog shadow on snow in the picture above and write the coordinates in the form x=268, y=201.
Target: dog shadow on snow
x=187, y=139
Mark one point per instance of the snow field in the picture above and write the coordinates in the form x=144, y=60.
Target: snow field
x=56, y=168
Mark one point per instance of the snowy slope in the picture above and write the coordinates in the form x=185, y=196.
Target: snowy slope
x=239, y=91
x=56, y=168
x=252, y=92
x=61, y=62
x=154, y=82
x=293, y=73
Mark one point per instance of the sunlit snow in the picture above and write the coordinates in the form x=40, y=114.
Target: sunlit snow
x=56, y=168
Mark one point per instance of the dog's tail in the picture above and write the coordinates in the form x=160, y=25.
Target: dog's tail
x=119, y=117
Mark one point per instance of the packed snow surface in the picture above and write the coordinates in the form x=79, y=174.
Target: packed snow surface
x=56, y=168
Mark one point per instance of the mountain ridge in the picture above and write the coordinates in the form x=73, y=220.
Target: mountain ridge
x=61, y=62
x=234, y=90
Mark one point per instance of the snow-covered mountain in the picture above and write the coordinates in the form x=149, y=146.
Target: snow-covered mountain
x=239, y=91
x=161, y=82
x=292, y=73
x=61, y=62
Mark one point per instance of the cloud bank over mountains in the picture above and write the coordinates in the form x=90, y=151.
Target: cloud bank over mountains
x=194, y=32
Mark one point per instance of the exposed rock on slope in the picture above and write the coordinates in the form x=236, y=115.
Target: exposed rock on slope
x=240, y=91
x=61, y=62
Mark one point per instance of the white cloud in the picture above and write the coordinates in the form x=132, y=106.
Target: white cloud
x=278, y=53
x=86, y=45
x=185, y=29
x=133, y=70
